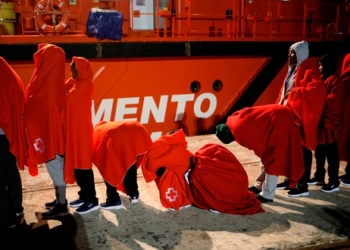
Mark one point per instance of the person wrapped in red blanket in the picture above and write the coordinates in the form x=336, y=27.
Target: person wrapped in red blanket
x=13, y=148
x=118, y=149
x=166, y=162
x=218, y=182
x=273, y=133
x=344, y=136
x=44, y=120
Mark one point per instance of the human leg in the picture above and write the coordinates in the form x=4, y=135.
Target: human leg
x=333, y=168
x=86, y=182
x=268, y=188
x=320, y=156
x=7, y=216
x=301, y=188
x=113, y=199
x=257, y=186
x=130, y=183
x=55, y=169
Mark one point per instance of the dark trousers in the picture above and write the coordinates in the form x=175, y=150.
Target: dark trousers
x=307, y=154
x=11, y=196
x=330, y=153
x=130, y=184
x=86, y=182
x=347, y=169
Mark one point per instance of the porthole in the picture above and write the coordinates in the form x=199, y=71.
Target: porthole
x=195, y=86
x=217, y=85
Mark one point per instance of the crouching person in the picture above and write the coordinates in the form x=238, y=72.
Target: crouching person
x=273, y=133
x=118, y=148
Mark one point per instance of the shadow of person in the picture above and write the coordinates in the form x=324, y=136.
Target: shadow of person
x=40, y=235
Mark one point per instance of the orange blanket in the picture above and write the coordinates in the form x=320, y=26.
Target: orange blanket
x=344, y=136
x=219, y=182
x=169, y=151
x=307, y=99
x=116, y=147
x=12, y=106
x=271, y=132
x=78, y=119
x=44, y=104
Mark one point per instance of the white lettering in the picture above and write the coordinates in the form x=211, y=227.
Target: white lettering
x=181, y=104
x=122, y=110
x=150, y=106
x=198, y=103
x=105, y=110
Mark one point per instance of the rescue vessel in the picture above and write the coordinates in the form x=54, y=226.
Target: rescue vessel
x=175, y=63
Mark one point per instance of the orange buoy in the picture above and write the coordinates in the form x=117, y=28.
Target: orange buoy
x=54, y=8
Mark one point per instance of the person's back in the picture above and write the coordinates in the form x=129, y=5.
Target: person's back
x=328, y=127
x=44, y=120
x=344, y=136
x=12, y=147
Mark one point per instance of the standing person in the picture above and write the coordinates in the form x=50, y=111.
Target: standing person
x=79, y=135
x=118, y=149
x=44, y=123
x=12, y=145
x=328, y=127
x=304, y=92
x=344, y=136
x=273, y=133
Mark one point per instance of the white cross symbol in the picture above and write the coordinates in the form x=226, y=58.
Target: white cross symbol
x=171, y=194
x=39, y=145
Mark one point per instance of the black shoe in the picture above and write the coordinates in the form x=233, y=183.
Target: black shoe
x=254, y=190
x=87, y=207
x=315, y=181
x=283, y=185
x=262, y=199
x=112, y=206
x=49, y=205
x=76, y=203
x=56, y=211
x=330, y=188
x=134, y=198
x=298, y=192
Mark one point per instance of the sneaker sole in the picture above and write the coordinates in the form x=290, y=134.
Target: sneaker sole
x=112, y=207
x=346, y=184
x=88, y=211
x=135, y=201
x=330, y=191
x=56, y=216
x=281, y=188
x=76, y=205
x=299, y=195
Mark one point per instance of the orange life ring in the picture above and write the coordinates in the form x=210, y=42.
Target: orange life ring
x=51, y=7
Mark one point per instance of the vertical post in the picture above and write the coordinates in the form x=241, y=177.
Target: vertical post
x=157, y=17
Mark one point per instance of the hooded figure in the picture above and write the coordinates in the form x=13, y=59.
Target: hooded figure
x=44, y=104
x=78, y=119
x=328, y=127
x=344, y=136
x=166, y=162
x=303, y=91
x=272, y=133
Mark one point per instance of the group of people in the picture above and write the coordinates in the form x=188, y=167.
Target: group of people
x=50, y=123
x=310, y=114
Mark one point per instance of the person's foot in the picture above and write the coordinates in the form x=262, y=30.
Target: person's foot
x=263, y=199
x=134, y=198
x=343, y=177
x=283, y=185
x=298, y=192
x=51, y=204
x=112, y=205
x=330, y=188
x=57, y=211
x=76, y=203
x=314, y=181
x=254, y=190
x=87, y=207
x=346, y=182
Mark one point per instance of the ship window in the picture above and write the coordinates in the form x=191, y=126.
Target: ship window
x=195, y=86
x=217, y=85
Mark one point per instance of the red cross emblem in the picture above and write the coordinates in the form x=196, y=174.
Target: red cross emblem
x=171, y=194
